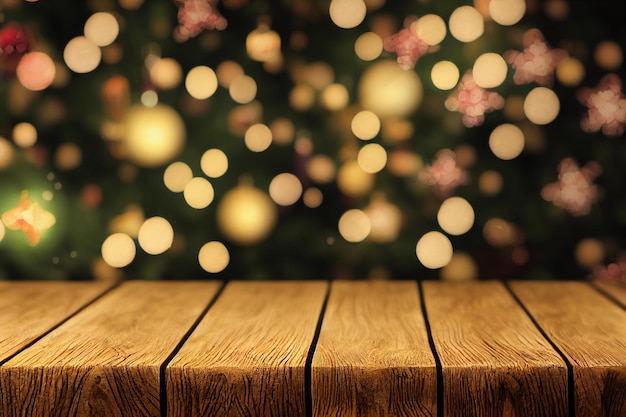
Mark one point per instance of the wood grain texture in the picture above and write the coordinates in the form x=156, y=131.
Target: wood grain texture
x=590, y=330
x=30, y=308
x=105, y=361
x=495, y=363
x=247, y=356
x=616, y=290
x=372, y=357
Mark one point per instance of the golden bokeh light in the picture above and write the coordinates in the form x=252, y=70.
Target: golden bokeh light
x=313, y=197
x=353, y=181
x=354, y=225
x=385, y=218
x=489, y=70
x=118, y=250
x=321, y=169
x=490, y=182
x=372, y=158
x=213, y=257
x=166, y=73
x=589, y=252
x=242, y=89
x=156, y=235
x=404, y=163
x=214, y=163
x=176, y=176
x=302, y=97
x=466, y=24
x=36, y=71
x=227, y=71
x=431, y=28
x=347, y=14
x=506, y=141
x=455, y=216
x=368, y=46
x=24, y=135
x=67, y=156
x=570, y=72
x=541, y=105
x=263, y=44
x=507, y=12
x=434, y=250
x=101, y=28
x=81, y=55
x=499, y=232
x=608, y=55
x=335, y=97
x=283, y=131
x=7, y=153
x=445, y=75
x=318, y=75
x=461, y=267
x=258, y=137
x=201, y=82
x=198, y=193
x=285, y=189
x=365, y=125
x=149, y=98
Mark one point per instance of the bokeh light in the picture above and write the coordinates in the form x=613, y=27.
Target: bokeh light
x=313, y=197
x=431, y=28
x=466, y=24
x=347, y=14
x=354, y=225
x=283, y=131
x=213, y=257
x=434, y=250
x=214, y=163
x=368, y=46
x=24, y=135
x=176, y=176
x=81, y=55
x=589, y=252
x=507, y=12
x=365, y=125
x=489, y=70
x=608, y=55
x=506, y=141
x=7, y=153
x=242, y=89
x=201, y=82
x=258, y=137
x=36, y=71
x=445, y=75
x=101, y=28
x=385, y=218
x=372, y=158
x=321, y=169
x=541, y=105
x=155, y=235
x=118, y=250
x=68, y=156
x=302, y=97
x=166, y=73
x=353, y=181
x=455, y=216
x=199, y=193
x=263, y=44
x=570, y=72
x=285, y=189
x=490, y=182
x=499, y=232
x=335, y=97
x=227, y=71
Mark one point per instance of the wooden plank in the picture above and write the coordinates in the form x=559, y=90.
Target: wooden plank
x=494, y=360
x=590, y=330
x=615, y=289
x=247, y=356
x=105, y=361
x=372, y=357
x=28, y=309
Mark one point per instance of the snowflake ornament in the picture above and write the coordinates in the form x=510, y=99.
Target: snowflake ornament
x=606, y=107
x=473, y=101
x=406, y=44
x=574, y=191
x=537, y=62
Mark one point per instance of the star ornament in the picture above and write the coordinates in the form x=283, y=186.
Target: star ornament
x=29, y=217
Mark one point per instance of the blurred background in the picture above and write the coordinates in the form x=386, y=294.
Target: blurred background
x=305, y=139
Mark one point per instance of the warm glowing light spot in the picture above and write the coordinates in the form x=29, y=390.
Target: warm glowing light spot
x=258, y=137
x=490, y=182
x=347, y=14
x=246, y=215
x=354, y=225
x=242, y=89
x=368, y=46
x=434, y=250
x=227, y=71
x=81, y=55
x=319, y=75
x=455, y=216
x=608, y=55
x=313, y=197
x=198, y=193
x=176, y=176
x=35, y=71
x=386, y=219
x=302, y=97
x=24, y=135
x=506, y=141
x=67, y=156
x=372, y=158
x=365, y=125
x=214, y=163
x=285, y=189
x=445, y=75
x=388, y=90
x=461, y=267
x=213, y=257
x=541, y=105
x=263, y=44
x=321, y=169
x=499, y=233
x=283, y=131
x=149, y=98
x=166, y=73
x=118, y=250
x=7, y=153
x=589, y=252
x=353, y=181
x=155, y=235
x=29, y=217
x=557, y=10
x=303, y=146
x=570, y=72
x=507, y=12
x=466, y=24
x=335, y=97
x=489, y=70
x=153, y=135
x=201, y=82
x=2, y=232
x=102, y=28
x=404, y=163
x=431, y=28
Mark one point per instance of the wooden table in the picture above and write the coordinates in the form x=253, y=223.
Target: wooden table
x=312, y=348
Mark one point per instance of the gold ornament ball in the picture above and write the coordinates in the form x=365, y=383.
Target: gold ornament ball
x=246, y=215
x=153, y=136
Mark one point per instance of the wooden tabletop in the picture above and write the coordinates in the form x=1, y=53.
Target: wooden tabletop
x=313, y=348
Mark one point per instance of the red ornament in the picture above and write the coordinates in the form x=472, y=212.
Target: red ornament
x=15, y=42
